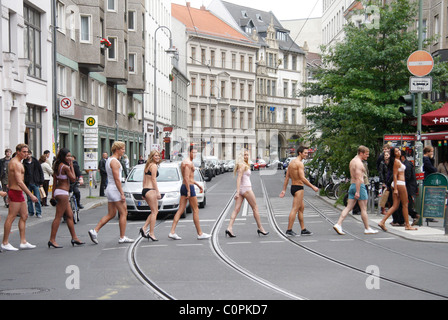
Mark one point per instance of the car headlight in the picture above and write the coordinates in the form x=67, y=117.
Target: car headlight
x=172, y=194
x=128, y=195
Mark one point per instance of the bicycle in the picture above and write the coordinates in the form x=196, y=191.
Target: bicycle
x=74, y=203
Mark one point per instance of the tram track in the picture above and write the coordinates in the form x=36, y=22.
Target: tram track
x=349, y=266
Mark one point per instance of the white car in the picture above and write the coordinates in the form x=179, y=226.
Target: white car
x=169, y=183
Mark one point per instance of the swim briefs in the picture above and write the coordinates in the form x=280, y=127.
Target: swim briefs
x=363, y=195
x=295, y=188
x=16, y=195
x=183, y=191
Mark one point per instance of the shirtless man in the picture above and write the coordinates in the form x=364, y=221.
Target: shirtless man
x=296, y=171
x=187, y=192
x=17, y=203
x=357, y=192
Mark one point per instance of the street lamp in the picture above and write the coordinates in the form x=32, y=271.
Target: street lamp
x=171, y=50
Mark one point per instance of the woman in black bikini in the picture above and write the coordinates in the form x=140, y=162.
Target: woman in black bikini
x=151, y=193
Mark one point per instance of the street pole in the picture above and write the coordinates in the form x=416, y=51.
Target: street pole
x=55, y=94
x=419, y=144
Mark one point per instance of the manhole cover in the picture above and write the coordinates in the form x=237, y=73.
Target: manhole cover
x=13, y=292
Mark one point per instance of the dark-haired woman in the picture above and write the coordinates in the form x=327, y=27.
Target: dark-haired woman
x=400, y=193
x=62, y=176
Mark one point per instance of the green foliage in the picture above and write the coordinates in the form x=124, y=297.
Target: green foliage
x=362, y=78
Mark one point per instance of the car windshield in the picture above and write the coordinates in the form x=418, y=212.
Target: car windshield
x=165, y=175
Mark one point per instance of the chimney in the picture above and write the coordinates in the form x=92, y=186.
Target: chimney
x=188, y=4
x=203, y=8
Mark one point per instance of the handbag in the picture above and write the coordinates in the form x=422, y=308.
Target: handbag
x=384, y=198
x=42, y=192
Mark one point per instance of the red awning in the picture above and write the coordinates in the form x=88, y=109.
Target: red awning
x=437, y=117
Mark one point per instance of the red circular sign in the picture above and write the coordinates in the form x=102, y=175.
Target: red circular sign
x=420, y=63
x=66, y=103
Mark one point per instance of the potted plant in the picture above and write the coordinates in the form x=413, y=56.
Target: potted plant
x=131, y=115
x=105, y=43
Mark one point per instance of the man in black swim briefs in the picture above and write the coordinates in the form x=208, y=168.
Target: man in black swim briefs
x=296, y=172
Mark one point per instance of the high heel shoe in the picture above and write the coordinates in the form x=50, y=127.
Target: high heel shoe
x=263, y=233
x=143, y=234
x=230, y=234
x=152, y=238
x=77, y=242
x=51, y=244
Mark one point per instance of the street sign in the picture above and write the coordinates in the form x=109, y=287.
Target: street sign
x=66, y=107
x=420, y=84
x=90, y=132
x=420, y=63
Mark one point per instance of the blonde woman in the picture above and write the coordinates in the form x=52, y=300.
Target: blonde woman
x=151, y=193
x=114, y=194
x=244, y=191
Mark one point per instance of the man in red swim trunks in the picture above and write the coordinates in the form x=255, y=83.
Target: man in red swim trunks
x=17, y=203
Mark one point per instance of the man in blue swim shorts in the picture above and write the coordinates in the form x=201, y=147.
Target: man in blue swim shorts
x=357, y=191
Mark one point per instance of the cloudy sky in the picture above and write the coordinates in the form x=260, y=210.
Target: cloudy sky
x=283, y=9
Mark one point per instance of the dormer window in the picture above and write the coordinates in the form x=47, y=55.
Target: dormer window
x=259, y=17
x=244, y=14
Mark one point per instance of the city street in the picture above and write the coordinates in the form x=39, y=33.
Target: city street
x=324, y=265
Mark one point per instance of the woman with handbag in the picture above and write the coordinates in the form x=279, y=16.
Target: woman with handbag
x=63, y=175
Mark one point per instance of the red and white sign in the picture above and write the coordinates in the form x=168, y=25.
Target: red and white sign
x=420, y=63
x=66, y=107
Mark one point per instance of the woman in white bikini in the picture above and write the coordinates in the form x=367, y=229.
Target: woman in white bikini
x=244, y=191
x=400, y=193
x=62, y=176
x=151, y=193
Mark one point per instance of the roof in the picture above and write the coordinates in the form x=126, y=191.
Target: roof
x=203, y=22
x=261, y=20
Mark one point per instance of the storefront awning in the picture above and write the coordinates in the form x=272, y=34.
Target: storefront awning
x=437, y=117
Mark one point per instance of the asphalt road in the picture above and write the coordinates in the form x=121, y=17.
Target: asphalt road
x=248, y=267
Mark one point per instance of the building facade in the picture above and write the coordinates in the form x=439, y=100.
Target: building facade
x=221, y=69
x=280, y=73
x=26, y=75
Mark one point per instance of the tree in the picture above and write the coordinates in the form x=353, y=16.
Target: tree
x=362, y=78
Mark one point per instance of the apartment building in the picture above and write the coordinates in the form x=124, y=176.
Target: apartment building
x=280, y=73
x=25, y=75
x=221, y=69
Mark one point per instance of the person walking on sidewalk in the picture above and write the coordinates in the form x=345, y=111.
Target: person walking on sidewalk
x=48, y=172
x=151, y=193
x=34, y=179
x=63, y=175
x=4, y=174
x=188, y=193
x=114, y=194
x=357, y=192
x=244, y=191
x=400, y=193
x=296, y=172
x=17, y=204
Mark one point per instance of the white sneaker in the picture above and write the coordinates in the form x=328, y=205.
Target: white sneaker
x=338, y=229
x=370, y=231
x=174, y=236
x=204, y=236
x=27, y=245
x=125, y=240
x=93, y=236
x=8, y=247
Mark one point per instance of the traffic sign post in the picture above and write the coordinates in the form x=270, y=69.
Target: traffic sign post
x=91, y=143
x=66, y=107
x=420, y=63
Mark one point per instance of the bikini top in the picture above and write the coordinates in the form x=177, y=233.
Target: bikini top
x=150, y=174
x=61, y=176
x=402, y=168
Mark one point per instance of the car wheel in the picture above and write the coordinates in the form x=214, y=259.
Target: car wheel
x=203, y=203
x=184, y=214
x=188, y=209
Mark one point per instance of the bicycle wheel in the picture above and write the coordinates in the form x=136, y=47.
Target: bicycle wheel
x=329, y=191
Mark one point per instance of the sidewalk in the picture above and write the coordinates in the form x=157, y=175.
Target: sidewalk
x=435, y=232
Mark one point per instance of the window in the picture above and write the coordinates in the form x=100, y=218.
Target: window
x=233, y=90
x=60, y=17
x=111, y=5
x=251, y=62
x=101, y=95
x=223, y=89
x=193, y=55
x=249, y=92
x=203, y=87
x=294, y=63
x=233, y=61
x=212, y=58
x=212, y=118
x=249, y=120
x=132, y=62
x=193, y=116
x=241, y=120
x=132, y=20
x=242, y=63
x=92, y=92
x=110, y=98
x=32, y=41
x=202, y=118
x=223, y=59
x=223, y=118
x=203, y=56
x=242, y=97
x=293, y=116
x=61, y=81
x=83, y=84
x=112, y=51
x=285, y=89
x=193, y=86
x=85, y=29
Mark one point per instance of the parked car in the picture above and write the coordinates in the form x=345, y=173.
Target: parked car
x=231, y=165
x=261, y=163
x=254, y=165
x=287, y=161
x=169, y=182
x=201, y=196
x=214, y=164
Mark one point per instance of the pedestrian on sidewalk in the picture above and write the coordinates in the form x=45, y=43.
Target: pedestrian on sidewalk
x=151, y=193
x=114, y=194
x=63, y=175
x=400, y=193
x=357, y=191
x=244, y=191
x=17, y=204
x=296, y=172
x=48, y=172
x=103, y=173
x=34, y=179
x=188, y=193
x=4, y=174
